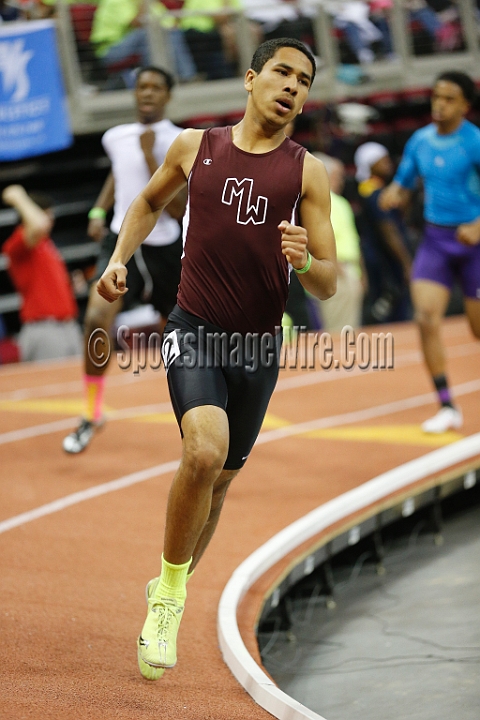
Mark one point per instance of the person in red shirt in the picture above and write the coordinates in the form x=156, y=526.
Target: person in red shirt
x=48, y=311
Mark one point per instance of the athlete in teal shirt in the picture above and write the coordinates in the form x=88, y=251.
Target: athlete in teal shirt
x=445, y=155
x=450, y=168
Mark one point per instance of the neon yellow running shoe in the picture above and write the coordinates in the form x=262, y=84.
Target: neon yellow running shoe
x=148, y=671
x=157, y=644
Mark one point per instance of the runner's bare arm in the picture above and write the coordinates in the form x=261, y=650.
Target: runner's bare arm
x=37, y=223
x=143, y=213
x=176, y=207
x=394, y=196
x=96, y=226
x=315, y=233
x=469, y=233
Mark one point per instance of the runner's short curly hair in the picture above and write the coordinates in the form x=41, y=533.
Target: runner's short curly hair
x=464, y=82
x=267, y=50
x=169, y=81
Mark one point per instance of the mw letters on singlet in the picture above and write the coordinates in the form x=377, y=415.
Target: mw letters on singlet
x=248, y=209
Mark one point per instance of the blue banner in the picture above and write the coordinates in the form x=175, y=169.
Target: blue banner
x=33, y=108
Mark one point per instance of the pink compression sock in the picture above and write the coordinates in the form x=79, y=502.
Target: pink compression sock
x=94, y=389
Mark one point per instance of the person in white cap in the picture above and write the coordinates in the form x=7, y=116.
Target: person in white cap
x=366, y=156
x=384, y=238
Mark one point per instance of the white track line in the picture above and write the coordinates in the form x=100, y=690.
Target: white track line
x=308, y=377
x=82, y=495
x=413, y=357
x=242, y=665
x=240, y=662
x=37, y=430
x=362, y=415
x=265, y=437
x=57, y=425
x=248, y=673
x=69, y=386
x=37, y=365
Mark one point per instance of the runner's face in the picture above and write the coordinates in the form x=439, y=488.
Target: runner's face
x=151, y=95
x=280, y=89
x=449, y=106
x=383, y=168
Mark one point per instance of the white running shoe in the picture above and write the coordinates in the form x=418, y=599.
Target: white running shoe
x=80, y=438
x=447, y=418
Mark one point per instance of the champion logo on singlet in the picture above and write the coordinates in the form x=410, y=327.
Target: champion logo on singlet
x=249, y=209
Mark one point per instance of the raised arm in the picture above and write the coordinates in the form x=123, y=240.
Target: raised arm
x=312, y=245
x=37, y=223
x=143, y=213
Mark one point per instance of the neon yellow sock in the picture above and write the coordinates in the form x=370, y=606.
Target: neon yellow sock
x=173, y=581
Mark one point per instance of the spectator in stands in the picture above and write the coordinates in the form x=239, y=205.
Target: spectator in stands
x=41, y=9
x=345, y=307
x=269, y=15
x=118, y=33
x=8, y=13
x=136, y=150
x=185, y=67
x=385, y=241
x=380, y=14
x=211, y=38
x=366, y=23
x=439, y=25
x=353, y=18
x=120, y=38
x=48, y=312
x=281, y=18
x=445, y=156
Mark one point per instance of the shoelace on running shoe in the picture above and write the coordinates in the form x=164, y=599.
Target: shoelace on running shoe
x=167, y=611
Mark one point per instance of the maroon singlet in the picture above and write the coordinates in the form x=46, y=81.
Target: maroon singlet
x=233, y=272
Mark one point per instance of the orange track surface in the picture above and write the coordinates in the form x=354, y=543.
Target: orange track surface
x=72, y=582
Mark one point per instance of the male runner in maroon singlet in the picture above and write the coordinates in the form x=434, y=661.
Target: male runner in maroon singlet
x=257, y=204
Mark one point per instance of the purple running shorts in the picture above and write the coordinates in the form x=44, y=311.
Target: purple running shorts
x=442, y=259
